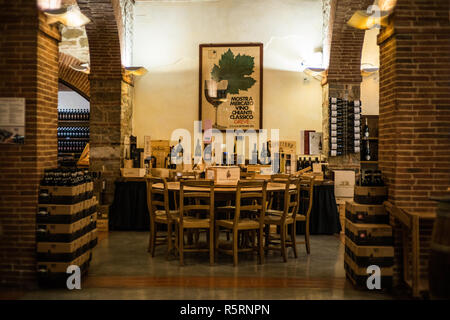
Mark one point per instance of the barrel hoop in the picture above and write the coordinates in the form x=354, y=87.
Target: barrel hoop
x=440, y=247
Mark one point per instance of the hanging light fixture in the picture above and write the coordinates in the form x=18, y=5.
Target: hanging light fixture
x=376, y=16
x=368, y=69
x=70, y=16
x=136, y=71
x=313, y=65
x=48, y=4
x=83, y=67
x=369, y=19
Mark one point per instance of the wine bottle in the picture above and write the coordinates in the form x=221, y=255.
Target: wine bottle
x=254, y=155
x=334, y=153
x=366, y=129
x=367, y=151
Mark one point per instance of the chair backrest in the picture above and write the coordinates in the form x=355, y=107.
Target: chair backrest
x=291, y=197
x=157, y=198
x=250, y=196
x=196, y=195
x=306, y=195
x=279, y=177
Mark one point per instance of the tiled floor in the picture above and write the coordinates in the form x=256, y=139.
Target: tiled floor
x=122, y=269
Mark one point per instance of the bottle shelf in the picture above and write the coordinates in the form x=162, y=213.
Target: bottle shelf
x=375, y=161
x=73, y=139
x=74, y=121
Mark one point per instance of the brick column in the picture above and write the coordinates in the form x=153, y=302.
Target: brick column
x=414, y=128
x=414, y=125
x=105, y=90
x=29, y=69
x=344, y=72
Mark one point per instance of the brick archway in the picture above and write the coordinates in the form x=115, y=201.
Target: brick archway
x=77, y=81
x=105, y=88
x=344, y=71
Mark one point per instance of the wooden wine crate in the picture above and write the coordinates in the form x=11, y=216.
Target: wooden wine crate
x=62, y=194
x=49, y=232
x=223, y=175
x=359, y=275
x=371, y=195
x=133, y=172
x=63, y=251
x=102, y=225
x=366, y=213
x=46, y=268
x=369, y=234
x=364, y=256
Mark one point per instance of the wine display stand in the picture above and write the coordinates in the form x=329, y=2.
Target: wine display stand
x=66, y=230
x=73, y=135
x=368, y=237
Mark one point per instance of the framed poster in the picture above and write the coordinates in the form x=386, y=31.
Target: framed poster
x=12, y=120
x=231, y=83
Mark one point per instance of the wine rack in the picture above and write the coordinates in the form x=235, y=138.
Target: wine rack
x=73, y=135
x=345, y=126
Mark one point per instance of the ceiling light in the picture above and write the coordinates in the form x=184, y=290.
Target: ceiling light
x=387, y=5
x=369, y=19
x=48, y=4
x=368, y=69
x=137, y=71
x=83, y=67
x=70, y=16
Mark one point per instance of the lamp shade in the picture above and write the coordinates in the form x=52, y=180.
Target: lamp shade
x=70, y=16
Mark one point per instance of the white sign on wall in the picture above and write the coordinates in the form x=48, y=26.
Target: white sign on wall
x=12, y=120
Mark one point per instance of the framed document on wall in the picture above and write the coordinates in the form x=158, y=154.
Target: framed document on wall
x=231, y=83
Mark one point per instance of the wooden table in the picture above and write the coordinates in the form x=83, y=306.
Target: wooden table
x=224, y=188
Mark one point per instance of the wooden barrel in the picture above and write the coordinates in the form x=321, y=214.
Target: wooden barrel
x=439, y=263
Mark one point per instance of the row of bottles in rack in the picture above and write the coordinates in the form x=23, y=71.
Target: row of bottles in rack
x=66, y=177
x=345, y=126
x=73, y=132
x=67, y=146
x=74, y=114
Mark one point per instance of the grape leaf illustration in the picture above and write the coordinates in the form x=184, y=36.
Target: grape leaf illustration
x=235, y=69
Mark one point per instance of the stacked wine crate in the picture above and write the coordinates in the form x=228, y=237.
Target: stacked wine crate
x=368, y=236
x=66, y=225
x=345, y=126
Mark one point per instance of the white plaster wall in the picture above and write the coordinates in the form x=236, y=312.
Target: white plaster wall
x=166, y=41
x=370, y=87
x=71, y=100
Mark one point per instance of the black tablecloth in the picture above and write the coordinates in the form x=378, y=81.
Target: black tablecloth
x=324, y=218
x=129, y=209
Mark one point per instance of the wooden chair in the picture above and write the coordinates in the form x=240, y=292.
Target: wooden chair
x=158, y=207
x=247, y=175
x=283, y=219
x=306, y=201
x=247, y=200
x=198, y=200
x=276, y=178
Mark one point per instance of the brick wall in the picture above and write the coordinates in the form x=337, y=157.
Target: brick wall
x=344, y=71
x=414, y=125
x=77, y=81
x=29, y=69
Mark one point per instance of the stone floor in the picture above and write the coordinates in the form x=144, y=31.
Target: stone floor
x=122, y=269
